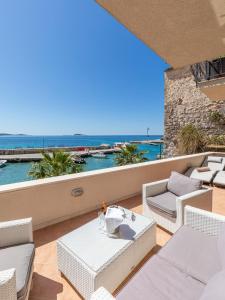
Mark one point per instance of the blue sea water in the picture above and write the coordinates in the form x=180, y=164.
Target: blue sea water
x=28, y=141
x=17, y=172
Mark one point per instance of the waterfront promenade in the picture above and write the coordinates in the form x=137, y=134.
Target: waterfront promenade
x=148, y=142
x=35, y=157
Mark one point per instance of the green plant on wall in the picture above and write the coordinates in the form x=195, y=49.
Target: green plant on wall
x=216, y=140
x=190, y=140
x=217, y=117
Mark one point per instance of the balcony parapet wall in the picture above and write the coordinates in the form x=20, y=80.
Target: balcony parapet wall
x=51, y=200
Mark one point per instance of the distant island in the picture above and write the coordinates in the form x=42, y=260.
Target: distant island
x=78, y=134
x=2, y=134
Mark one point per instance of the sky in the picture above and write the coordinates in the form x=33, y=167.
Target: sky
x=67, y=66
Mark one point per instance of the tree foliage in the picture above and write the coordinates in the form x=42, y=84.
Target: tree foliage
x=54, y=164
x=130, y=155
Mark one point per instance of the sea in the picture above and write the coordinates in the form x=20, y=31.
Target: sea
x=18, y=172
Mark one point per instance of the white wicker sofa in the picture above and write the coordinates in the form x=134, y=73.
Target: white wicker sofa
x=166, y=207
x=16, y=259
x=191, y=266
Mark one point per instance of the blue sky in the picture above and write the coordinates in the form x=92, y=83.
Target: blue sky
x=67, y=66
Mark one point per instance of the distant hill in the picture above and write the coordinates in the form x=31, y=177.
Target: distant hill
x=1, y=134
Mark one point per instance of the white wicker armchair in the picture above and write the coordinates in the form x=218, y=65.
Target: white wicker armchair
x=204, y=221
x=201, y=199
x=200, y=220
x=13, y=233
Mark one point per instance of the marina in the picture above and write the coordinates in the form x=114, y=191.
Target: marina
x=22, y=151
x=35, y=157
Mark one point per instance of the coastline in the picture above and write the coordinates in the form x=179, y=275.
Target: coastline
x=21, y=142
x=17, y=172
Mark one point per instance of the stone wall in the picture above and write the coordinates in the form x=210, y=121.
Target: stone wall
x=184, y=104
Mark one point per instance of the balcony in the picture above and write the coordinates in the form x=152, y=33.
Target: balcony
x=210, y=78
x=181, y=32
x=55, y=211
x=47, y=281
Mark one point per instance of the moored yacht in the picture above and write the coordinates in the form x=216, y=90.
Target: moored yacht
x=99, y=155
x=3, y=162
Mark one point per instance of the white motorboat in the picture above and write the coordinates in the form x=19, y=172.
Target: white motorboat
x=121, y=145
x=2, y=162
x=99, y=155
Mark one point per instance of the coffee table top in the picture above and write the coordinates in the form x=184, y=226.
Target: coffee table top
x=96, y=249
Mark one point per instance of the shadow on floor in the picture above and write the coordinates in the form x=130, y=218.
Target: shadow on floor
x=42, y=284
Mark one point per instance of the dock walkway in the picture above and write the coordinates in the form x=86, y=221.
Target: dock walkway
x=35, y=157
x=148, y=142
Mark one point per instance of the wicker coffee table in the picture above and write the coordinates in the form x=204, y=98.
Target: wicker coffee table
x=89, y=258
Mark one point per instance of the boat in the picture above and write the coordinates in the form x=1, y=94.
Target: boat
x=3, y=162
x=99, y=155
x=121, y=145
x=79, y=160
x=104, y=146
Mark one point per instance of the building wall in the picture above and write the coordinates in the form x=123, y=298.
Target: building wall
x=184, y=104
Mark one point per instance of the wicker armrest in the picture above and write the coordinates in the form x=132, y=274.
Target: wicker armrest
x=154, y=188
x=207, y=222
x=16, y=232
x=8, y=285
x=195, y=194
x=201, y=197
x=102, y=294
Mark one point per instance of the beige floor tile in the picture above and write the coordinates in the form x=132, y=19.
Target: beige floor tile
x=48, y=283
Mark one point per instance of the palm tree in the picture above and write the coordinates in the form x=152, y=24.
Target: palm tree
x=130, y=155
x=59, y=163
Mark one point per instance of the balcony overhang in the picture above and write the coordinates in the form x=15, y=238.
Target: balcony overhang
x=214, y=89
x=181, y=32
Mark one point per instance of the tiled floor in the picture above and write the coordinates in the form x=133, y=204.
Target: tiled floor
x=48, y=283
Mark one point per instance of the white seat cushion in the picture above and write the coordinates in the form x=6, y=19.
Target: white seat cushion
x=159, y=280
x=215, y=159
x=220, y=178
x=180, y=184
x=21, y=258
x=221, y=245
x=203, y=176
x=215, y=288
x=193, y=252
x=165, y=202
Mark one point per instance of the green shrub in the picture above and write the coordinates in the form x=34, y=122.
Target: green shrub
x=190, y=140
x=217, y=117
x=217, y=140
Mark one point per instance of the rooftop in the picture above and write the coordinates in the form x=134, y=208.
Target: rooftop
x=47, y=281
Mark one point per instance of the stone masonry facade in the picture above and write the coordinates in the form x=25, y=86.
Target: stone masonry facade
x=185, y=104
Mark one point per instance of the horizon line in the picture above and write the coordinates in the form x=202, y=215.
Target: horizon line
x=27, y=134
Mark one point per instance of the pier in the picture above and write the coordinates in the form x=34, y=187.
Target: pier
x=35, y=157
x=148, y=142
x=35, y=154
